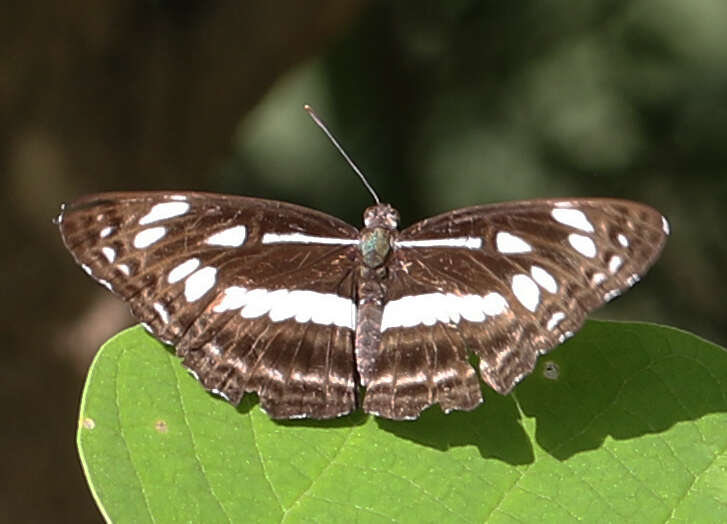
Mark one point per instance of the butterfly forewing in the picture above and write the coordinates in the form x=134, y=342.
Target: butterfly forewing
x=248, y=312
x=507, y=281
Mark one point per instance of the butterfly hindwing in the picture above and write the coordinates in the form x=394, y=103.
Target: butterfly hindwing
x=418, y=368
x=298, y=369
x=246, y=312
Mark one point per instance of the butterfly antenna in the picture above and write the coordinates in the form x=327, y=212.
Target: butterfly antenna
x=320, y=123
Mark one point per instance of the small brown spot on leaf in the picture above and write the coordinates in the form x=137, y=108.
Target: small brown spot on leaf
x=551, y=371
x=161, y=426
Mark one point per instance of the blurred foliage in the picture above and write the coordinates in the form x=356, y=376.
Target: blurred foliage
x=445, y=105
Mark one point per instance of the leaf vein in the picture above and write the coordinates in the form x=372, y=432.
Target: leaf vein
x=123, y=435
x=332, y=460
x=262, y=463
x=197, y=460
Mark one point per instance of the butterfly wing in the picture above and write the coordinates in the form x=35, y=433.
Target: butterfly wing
x=507, y=282
x=214, y=276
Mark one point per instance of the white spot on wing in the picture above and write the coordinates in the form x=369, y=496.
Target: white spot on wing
x=544, y=278
x=615, y=263
x=328, y=308
x=466, y=242
x=106, y=231
x=411, y=310
x=494, y=304
x=300, y=238
x=302, y=301
x=220, y=394
x=665, y=226
x=565, y=336
x=87, y=269
x=598, y=278
x=607, y=297
x=124, y=269
x=164, y=211
x=182, y=270
x=233, y=297
x=178, y=197
x=109, y=253
x=573, y=218
x=633, y=279
x=623, y=240
x=526, y=291
x=257, y=303
x=469, y=307
x=583, y=244
x=291, y=304
x=231, y=237
x=554, y=320
x=161, y=311
x=199, y=283
x=508, y=243
x=288, y=307
x=147, y=237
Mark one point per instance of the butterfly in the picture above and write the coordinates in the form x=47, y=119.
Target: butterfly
x=306, y=310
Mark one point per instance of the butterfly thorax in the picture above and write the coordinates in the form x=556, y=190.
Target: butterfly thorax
x=376, y=238
x=375, y=245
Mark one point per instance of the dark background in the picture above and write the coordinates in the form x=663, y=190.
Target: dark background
x=441, y=104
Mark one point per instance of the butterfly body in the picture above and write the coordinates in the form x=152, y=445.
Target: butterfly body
x=303, y=309
x=376, y=242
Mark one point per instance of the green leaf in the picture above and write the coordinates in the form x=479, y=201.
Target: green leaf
x=624, y=422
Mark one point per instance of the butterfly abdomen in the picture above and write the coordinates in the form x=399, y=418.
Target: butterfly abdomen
x=371, y=294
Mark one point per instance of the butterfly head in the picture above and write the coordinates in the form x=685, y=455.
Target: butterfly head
x=381, y=215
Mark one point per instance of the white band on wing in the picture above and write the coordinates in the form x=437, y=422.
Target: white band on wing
x=300, y=238
x=466, y=242
x=447, y=308
x=283, y=304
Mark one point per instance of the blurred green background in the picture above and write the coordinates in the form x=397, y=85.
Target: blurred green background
x=443, y=105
